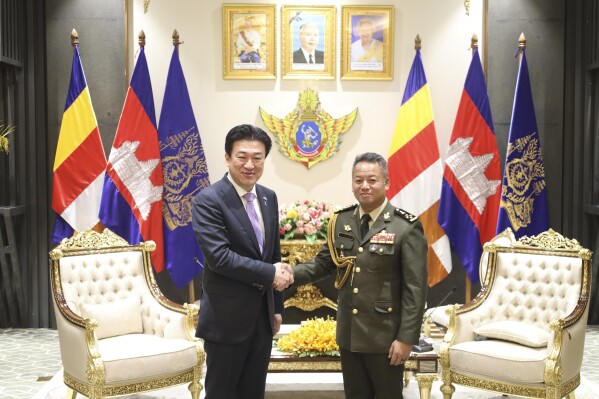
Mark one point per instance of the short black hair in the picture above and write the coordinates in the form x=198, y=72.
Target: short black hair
x=247, y=132
x=373, y=157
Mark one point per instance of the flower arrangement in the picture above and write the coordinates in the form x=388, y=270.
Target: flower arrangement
x=315, y=337
x=309, y=219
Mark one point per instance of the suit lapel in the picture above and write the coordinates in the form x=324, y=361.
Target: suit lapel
x=235, y=205
x=354, y=223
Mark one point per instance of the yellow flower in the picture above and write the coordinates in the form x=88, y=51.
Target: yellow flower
x=291, y=214
x=315, y=337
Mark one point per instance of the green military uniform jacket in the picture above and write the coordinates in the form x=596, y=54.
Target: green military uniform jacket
x=384, y=296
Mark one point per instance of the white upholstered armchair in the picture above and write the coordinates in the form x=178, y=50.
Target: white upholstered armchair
x=118, y=334
x=524, y=333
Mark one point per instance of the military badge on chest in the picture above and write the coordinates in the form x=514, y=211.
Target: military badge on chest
x=308, y=134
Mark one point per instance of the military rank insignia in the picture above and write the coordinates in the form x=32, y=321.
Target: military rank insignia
x=308, y=134
x=383, y=238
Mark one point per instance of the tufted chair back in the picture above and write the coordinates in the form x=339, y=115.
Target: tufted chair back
x=118, y=334
x=524, y=333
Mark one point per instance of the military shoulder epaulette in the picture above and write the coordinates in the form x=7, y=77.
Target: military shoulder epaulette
x=406, y=215
x=347, y=208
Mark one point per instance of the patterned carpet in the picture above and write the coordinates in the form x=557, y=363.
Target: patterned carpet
x=30, y=358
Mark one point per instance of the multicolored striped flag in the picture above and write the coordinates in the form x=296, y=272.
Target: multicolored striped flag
x=415, y=168
x=131, y=204
x=523, y=196
x=471, y=179
x=80, y=161
x=185, y=173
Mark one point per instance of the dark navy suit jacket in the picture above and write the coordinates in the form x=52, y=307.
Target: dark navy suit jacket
x=236, y=276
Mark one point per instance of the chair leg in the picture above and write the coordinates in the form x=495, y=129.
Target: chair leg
x=195, y=387
x=571, y=395
x=448, y=390
x=71, y=393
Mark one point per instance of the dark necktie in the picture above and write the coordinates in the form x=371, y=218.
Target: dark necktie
x=364, y=225
x=310, y=60
x=249, y=207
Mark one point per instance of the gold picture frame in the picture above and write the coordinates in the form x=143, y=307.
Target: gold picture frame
x=314, y=26
x=243, y=26
x=367, y=42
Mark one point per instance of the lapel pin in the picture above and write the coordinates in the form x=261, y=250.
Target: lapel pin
x=386, y=215
x=347, y=227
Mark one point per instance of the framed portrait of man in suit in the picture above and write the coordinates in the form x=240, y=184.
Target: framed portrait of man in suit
x=249, y=50
x=367, y=42
x=308, y=42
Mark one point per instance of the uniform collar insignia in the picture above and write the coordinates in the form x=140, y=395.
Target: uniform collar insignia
x=347, y=227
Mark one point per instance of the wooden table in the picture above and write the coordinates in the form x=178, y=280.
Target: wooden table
x=424, y=366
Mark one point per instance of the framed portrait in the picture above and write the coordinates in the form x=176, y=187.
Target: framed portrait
x=249, y=45
x=308, y=42
x=367, y=42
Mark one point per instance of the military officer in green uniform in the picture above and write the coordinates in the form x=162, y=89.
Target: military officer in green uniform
x=378, y=253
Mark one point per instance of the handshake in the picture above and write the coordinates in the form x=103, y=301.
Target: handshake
x=283, y=276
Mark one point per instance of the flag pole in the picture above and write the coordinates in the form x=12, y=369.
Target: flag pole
x=74, y=38
x=190, y=286
x=521, y=45
x=468, y=290
x=141, y=38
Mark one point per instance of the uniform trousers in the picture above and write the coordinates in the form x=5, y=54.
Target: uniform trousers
x=370, y=376
x=238, y=371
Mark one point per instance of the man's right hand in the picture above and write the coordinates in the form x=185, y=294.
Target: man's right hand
x=283, y=276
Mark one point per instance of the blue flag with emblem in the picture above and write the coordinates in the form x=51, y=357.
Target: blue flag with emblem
x=523, y=205
x=185, y=174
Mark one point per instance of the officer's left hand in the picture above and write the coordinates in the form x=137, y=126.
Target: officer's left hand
x=399, y=352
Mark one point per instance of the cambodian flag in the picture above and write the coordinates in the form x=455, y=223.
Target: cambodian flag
x=523, y=196
x=472, y=176
x=131, y=204
x=80, y=161
x=185, y=174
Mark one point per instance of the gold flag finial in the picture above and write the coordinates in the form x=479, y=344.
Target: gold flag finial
x=417, y=43
x=176, y=40
x=74, y=38
x=474, y=41
x=141, y=38
x=522, y=41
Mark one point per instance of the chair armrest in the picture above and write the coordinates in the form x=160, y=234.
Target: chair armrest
x=565, y=349
x=78, y=343
x=174, y=321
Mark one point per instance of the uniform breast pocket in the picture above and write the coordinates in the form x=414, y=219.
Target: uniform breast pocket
x=381, y=249
x=343, y=242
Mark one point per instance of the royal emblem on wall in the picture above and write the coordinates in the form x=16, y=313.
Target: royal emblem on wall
x=525, y=175
x=308, y=134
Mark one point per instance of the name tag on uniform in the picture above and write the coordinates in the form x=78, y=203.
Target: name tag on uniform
x=383, y=238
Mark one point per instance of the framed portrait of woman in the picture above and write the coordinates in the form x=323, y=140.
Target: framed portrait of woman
x=249, y=50
x=308, y=42
x=367, y=42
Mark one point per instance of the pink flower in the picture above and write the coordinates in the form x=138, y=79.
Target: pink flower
x=287, y=227
x=309, y=229
x=299, y=223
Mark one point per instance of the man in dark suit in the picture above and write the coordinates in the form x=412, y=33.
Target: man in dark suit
x=379, y=254
x=307, y=53
x=236, y=224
